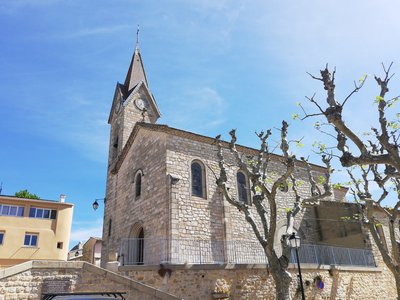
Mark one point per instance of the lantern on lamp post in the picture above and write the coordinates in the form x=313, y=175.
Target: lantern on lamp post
x=295, y=242
x=95, y=204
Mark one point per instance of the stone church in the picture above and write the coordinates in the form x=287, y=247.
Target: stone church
x=166, y=223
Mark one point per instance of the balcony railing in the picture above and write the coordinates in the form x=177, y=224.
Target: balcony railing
x=329, y=255
x=154, y=251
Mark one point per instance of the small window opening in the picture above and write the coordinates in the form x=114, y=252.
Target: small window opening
x=115, y=150
x=2, y=237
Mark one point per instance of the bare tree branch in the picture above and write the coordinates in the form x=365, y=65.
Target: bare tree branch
x=265, y=187
x=356, y=89
x=379, y=162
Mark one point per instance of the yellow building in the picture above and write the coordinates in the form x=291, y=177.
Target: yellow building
x=33, y=229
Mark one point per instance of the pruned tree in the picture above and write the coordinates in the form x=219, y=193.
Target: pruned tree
x=265, y=190
x=371, y=159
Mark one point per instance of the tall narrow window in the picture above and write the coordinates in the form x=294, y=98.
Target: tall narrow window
x=138, y=185
x=140, y=247
x=242, y=187
x=1, y=237
x=198, y=180
x=109, y=227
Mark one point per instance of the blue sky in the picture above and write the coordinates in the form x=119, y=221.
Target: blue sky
x=212, y=66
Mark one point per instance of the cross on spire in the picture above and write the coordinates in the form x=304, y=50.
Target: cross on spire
x=137, y=37
x=136, y=72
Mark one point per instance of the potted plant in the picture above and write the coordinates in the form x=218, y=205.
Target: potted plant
x=221, y=289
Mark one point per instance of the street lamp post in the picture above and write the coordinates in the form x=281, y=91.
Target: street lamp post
x=295, y=243
x=95, y=204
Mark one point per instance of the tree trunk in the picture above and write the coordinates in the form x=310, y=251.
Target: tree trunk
x=397, y=278
x=282, y=280
x=389, y=261
x=282, y=277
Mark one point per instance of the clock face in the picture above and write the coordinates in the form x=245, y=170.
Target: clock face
x=140, y=103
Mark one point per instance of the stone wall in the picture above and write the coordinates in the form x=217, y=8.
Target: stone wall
x=32, y=279
x=256, y=283
x=194, y=217
x=212, y=217
x=127, y=212
x=197, y=282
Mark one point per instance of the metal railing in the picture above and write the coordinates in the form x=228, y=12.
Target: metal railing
x=152, y=251
x=330, y=255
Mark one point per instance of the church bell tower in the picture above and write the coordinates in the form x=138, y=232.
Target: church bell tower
x=133, y=102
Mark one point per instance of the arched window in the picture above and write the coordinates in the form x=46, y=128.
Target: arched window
x=242, y=187
x=140, y=248
x=198, y=179
x=138, y=184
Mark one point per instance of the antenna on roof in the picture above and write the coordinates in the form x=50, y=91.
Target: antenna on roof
x=137, y=37
x=1, y=187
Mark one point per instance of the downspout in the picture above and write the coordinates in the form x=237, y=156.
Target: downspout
x=224, y=227
x=172, y=181
x=169, y=213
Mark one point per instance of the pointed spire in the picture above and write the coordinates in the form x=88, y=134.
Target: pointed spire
x=136, y=71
